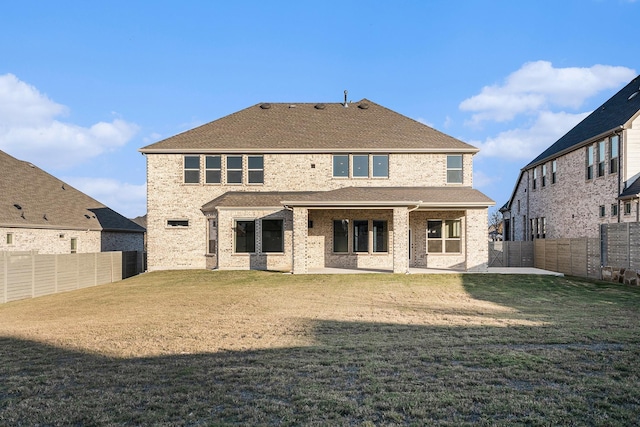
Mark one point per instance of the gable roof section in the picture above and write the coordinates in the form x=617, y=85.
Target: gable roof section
x=308, y=127
x=632, y=191
x=46, y=202
x=353, y=197
x=610, y=116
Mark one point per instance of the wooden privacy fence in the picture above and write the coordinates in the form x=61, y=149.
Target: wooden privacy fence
x=29, y=274
x=574, y=257
x=621, y=245
x=511, y=254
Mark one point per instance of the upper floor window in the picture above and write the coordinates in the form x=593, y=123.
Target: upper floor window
x=9, y=238
x=614, y=209
x=627, y=208
x=234, y=169
x=601, y=158
x=454, y=169
x=535, y=177
x=256, y=169
x=613, y=154
x=554, y=171
x=341, y=166
x=380, y=165
x=74, y=245
x=544, y=175
x=192, y=169
x=590, y=162
x=361, y=166
x=603, y=211
x=212, y=167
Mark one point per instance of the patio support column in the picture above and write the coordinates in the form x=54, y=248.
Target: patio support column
x=400, y=240
x=300, y=235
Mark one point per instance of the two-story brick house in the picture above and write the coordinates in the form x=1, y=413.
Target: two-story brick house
x=587, y=178
x=299, y=186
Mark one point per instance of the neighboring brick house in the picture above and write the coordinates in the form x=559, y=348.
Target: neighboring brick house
x=40, y=213
x=301, y=186
x=586, y=178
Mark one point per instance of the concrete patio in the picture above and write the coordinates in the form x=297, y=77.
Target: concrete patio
x=491, y=270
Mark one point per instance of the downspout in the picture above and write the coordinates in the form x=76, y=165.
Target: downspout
x=619, y=171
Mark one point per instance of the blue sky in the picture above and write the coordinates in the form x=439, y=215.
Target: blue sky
x=84, y=85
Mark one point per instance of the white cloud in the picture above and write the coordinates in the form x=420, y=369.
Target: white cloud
x=30, y=131
x=152, y=137
x=527, y=143
x=539, y=86
x=124, y=198
x=481, y=179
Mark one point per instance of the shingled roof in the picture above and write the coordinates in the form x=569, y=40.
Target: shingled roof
x=424, y=197
x=32, y=198
x=632, y=191
x=309, y=127
x=610, y=116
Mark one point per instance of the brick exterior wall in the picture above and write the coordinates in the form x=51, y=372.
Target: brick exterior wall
x=47, y=241
x=571, y=206
x=477, y=249
x=169, y=198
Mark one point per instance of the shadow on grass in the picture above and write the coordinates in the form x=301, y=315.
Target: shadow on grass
x=356, y=374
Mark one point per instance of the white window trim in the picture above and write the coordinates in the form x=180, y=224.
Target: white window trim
x=350, y=167
x=444, y=239
x=461, y=169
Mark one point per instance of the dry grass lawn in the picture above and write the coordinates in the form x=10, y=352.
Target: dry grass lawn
x=263, y=348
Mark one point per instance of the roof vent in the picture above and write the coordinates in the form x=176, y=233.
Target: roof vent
x=17, y=206
x=320, y=106
x=345, y=99
x=87, y=216
x=265, y=106
x=45, y=217
x=292, y=106
x=633, y=95
x=363, y=106
x=63, y=187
